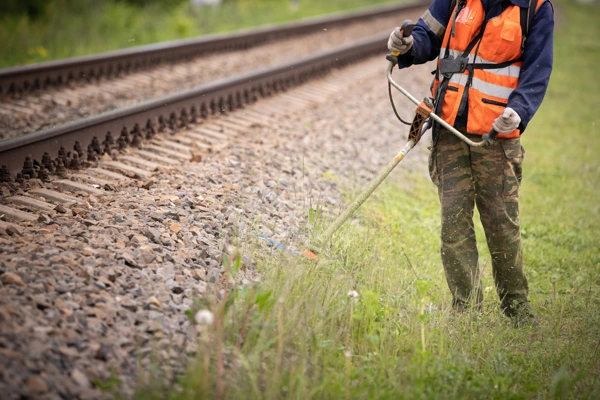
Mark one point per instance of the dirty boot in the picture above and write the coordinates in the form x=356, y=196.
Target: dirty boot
x=522, y=315
x=459, y=306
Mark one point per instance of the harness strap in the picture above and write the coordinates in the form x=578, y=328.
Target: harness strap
x=476, y=41
x=458, y=9
x=495, y=66
x=527, y=15
x=440, y=94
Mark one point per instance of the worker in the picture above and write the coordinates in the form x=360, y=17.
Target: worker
x=495, y=60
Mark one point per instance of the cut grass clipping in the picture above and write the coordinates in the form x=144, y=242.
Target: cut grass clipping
x=370, y=320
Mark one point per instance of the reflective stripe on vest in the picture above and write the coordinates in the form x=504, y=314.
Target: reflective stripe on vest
x=484, y=87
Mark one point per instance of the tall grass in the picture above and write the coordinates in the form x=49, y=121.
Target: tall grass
x=91, y=27
x=304, y=334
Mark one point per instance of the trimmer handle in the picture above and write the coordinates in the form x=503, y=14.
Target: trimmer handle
x=489, y=137
x=406, y=29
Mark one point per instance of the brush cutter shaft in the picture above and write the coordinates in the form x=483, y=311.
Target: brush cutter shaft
x=361, y=198
x=434, y=116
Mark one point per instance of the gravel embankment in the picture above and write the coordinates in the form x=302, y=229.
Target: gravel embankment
x=105, y=292
x=55, y=107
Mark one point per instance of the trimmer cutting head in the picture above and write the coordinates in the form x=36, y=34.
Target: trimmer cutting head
x=311, y=255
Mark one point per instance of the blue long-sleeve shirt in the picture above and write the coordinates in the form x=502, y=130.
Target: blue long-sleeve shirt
x=537, y=55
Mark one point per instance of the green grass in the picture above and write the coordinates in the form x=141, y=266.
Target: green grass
x=299, y=335
x=88, y=27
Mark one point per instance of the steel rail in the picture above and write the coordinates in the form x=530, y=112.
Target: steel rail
x=131, y=125
x=55, y=73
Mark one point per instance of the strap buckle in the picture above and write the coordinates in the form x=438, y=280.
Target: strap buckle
x=450, y=65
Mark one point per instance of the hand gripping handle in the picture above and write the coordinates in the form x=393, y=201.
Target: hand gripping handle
x=489, y=137
x=406, y=30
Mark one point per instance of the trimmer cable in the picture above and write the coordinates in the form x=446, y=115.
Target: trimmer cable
x=394, y=106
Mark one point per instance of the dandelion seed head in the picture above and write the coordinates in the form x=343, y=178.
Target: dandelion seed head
x=353, y=294
x=204, y=317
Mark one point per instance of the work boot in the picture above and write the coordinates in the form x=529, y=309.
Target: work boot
x=461, y=307
x=522, y=315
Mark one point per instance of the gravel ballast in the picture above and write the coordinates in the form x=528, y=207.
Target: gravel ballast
x=98, y=293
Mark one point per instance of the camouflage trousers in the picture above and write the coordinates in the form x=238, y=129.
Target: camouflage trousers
x=489, y=178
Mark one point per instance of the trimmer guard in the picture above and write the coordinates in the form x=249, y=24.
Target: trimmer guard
x=424, y=109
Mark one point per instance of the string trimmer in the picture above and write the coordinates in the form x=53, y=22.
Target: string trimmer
x=421, y=123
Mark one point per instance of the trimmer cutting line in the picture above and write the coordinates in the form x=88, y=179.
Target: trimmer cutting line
x=422, y=121
x=275, y=244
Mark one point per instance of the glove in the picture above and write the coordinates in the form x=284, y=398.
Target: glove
x=507, y=122
x=399, y=43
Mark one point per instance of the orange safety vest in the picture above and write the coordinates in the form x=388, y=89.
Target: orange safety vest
x=491, y=67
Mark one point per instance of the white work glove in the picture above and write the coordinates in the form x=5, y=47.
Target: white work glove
x=399, y=43
x=507, y=122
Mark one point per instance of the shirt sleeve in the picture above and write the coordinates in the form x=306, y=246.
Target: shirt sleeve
x=428, y=34
x=536, y=68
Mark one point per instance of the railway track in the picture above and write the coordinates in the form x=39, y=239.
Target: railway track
x=86, y=140
x=30, y=111
x=42, y=153
x=19, y=80
x=137, y=166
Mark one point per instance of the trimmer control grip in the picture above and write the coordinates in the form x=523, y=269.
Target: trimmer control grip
x=406, y=29
x=490, y=136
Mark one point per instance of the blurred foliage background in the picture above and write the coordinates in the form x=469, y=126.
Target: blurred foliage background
x=41, y=30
